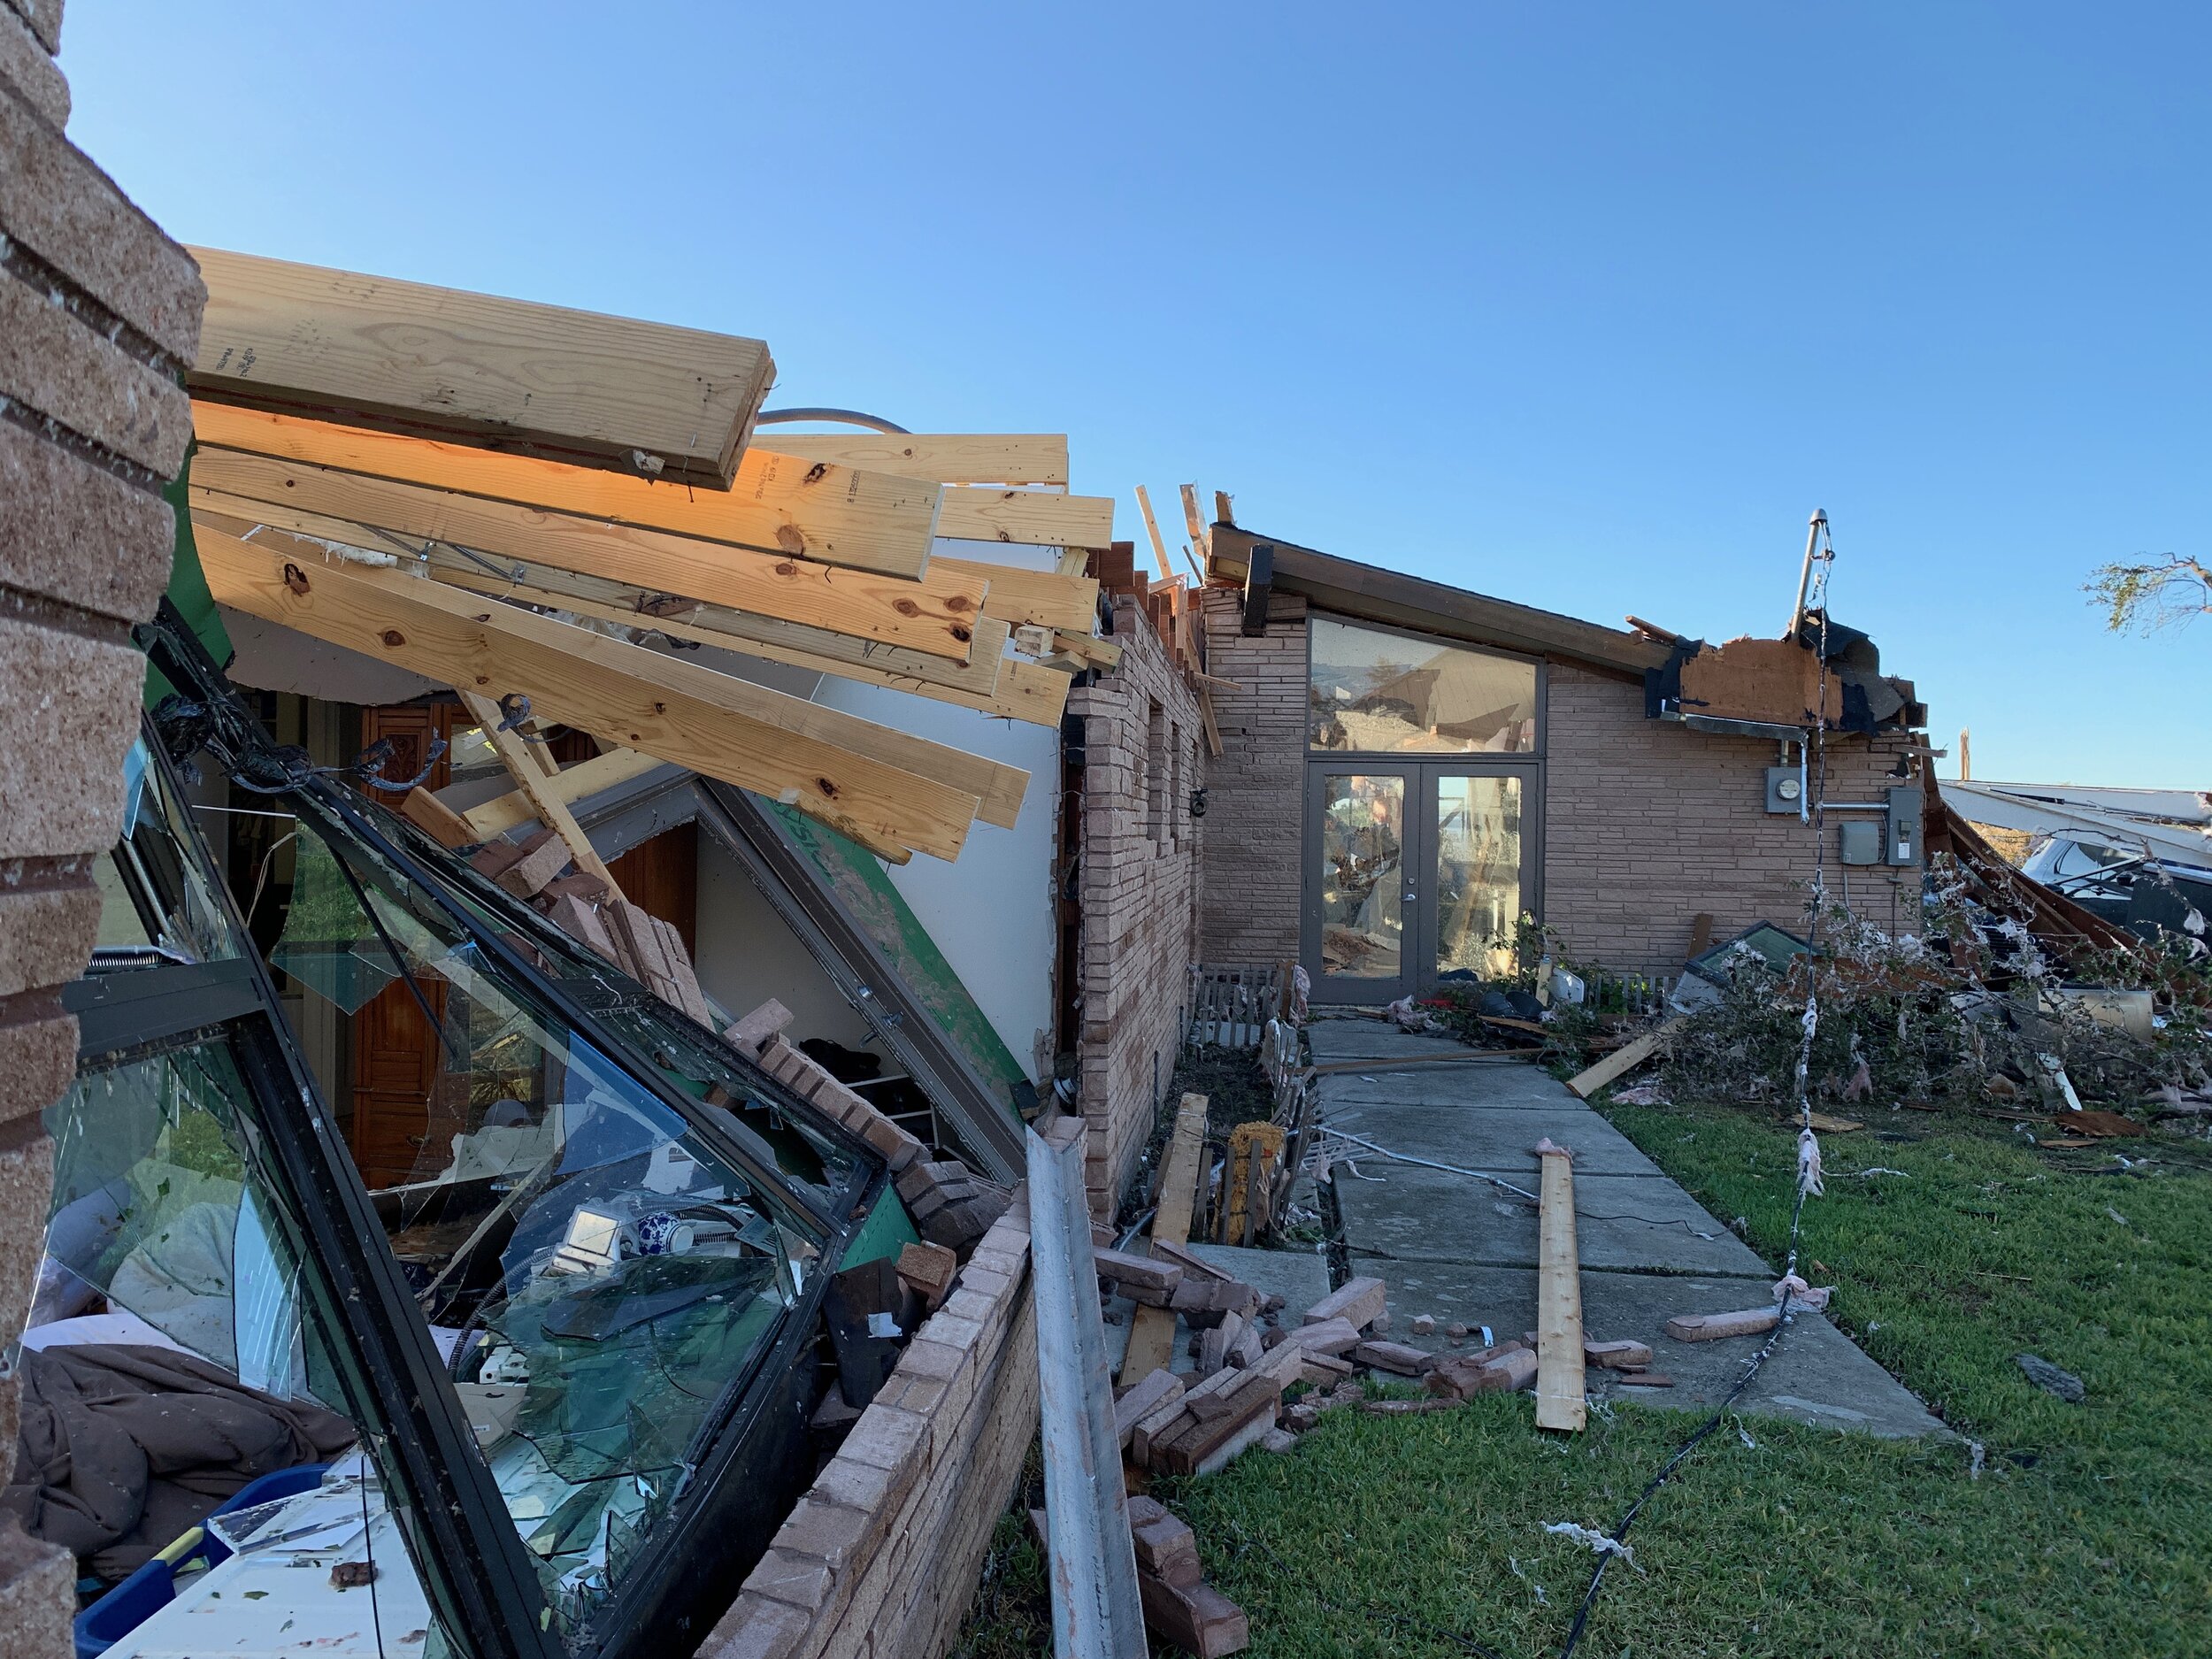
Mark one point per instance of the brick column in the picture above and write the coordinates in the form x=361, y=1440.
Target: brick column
x=99, y=312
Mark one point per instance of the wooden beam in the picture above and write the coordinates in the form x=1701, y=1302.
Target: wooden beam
x=1152, y=529
x=1212, y=726
x=1045, y=518
x=1152, y=1330
x=1087, y=648
x=935, y=613
x=944, y=457
x=1623, y=1060
x=535, y=784
x=622, y=694
x=1560, y=1399
x=1021, y=691
x=836, y=515
x=1026, y=696
x=1044, y=597
x=535, y=379
x=1193, y=524
x=567, y=785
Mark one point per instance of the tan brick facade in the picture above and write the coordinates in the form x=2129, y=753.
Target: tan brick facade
x=881, y=1557
x=1140, y=858
x=1647, y=824
x=1256, y=787
x=98, y=311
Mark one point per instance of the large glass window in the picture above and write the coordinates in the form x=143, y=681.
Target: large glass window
x=595, y=1276
x=603, y=1219
x=1371, y=692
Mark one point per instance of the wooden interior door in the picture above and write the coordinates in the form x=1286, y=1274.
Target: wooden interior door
x=395, y=1051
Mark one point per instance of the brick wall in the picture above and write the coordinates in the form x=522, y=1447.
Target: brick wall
x=98, y=311
x=881, y=1557
x=1140, y=855
x=1256, y=787
x=1649, y=823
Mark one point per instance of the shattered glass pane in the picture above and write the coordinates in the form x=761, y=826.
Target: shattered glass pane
x=159, y=1211
x=601, y=1276
x=153, y=896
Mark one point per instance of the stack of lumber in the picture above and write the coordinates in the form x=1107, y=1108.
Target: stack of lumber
x=519, y=500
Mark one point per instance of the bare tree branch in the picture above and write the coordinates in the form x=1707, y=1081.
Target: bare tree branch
x=2155, y=594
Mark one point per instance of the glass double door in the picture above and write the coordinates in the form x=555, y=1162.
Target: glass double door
x=1415, y=873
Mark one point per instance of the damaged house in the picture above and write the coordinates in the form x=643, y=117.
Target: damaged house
x=1412, y=768
x=602, y=883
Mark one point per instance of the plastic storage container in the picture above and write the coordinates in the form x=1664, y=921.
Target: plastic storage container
x=153, y=1586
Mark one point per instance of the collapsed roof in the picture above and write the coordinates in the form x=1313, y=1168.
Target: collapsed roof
x=1751, y=686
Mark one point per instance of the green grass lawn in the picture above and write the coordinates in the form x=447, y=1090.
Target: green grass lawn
x=2088, y=1530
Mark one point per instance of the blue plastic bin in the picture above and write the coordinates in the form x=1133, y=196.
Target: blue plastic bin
x=127, y=1606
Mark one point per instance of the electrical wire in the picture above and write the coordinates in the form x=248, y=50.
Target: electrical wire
x=1811, y=1023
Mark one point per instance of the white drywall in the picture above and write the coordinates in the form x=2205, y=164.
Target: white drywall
x=747, y=955
x=991, y=911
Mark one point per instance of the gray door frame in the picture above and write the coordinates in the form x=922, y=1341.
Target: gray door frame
x=1417, y=974
x=1417, y=949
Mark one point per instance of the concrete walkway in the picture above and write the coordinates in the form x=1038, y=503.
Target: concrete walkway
x=1464, y=1250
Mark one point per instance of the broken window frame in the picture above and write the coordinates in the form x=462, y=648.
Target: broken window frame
x=469, y=1555
x=980, y=1128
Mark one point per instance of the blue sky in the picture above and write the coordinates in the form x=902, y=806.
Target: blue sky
x=1582, y=305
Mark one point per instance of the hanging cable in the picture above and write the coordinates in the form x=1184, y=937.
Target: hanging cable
x=1820, y=555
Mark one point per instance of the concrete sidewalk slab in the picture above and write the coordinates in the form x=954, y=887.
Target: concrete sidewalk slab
x=1817, y=1376
x=1503, y=1143
x=1491, y=1086
x=1301, y=1278
x=1405, y=1213
x=1461, y=1250
x=1355, y=1039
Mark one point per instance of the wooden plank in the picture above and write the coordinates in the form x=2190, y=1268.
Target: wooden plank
x=999, y=787
x=1024, y=690
x=437, y=820
x=1152, y=1330
x=943, y=458
x=546, y=806
x=1622, y=1061
x=1043, y=597
x=1194, y=524
x=1560, y=1399
x=1152, y=529
x=622, y=694
x=1087, y=648
x=990, y=681
x=1206, y=717
x=935, y=614
x=539, y=379
x=778, y=504
x=568, y=786
x=1043, y=518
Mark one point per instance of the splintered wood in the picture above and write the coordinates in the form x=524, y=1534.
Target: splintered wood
x=1152, y=1330
x=1560, y=1401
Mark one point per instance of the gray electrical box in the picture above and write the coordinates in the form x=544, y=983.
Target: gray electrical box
x=1785, y=790
x=1860, y=840
x=1903, y=846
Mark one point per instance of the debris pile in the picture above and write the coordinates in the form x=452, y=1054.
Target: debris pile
x=1986, y=1001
